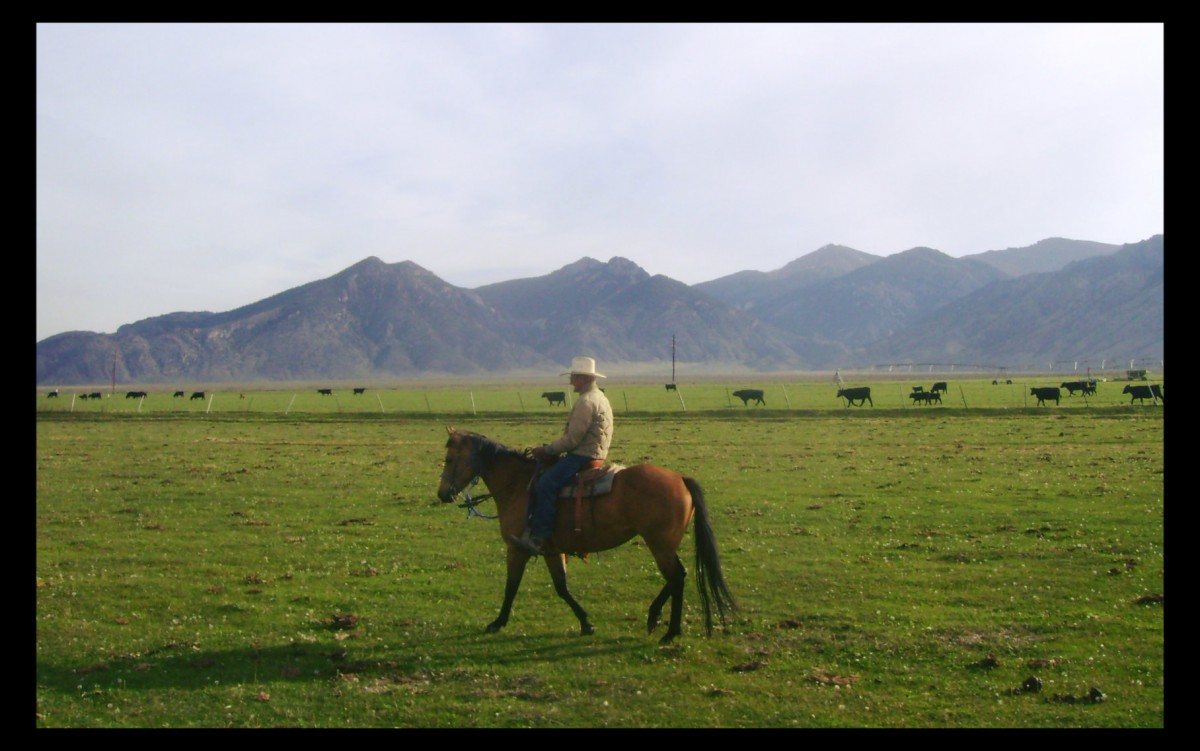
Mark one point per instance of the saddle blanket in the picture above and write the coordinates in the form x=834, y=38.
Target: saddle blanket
x=595, y=482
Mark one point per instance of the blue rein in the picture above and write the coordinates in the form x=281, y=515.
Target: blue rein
x=471, y=504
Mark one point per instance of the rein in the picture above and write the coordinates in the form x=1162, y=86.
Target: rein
x=471, y=503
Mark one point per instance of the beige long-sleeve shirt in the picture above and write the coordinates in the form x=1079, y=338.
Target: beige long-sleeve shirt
x=589, y=429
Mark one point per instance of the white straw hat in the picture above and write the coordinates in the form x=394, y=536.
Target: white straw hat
x=584, y=366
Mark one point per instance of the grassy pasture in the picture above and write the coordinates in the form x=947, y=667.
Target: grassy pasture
x=896, y=567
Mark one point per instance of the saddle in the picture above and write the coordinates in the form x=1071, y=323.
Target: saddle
x=593, y=480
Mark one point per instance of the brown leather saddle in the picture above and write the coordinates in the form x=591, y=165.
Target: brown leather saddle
x=593, y=480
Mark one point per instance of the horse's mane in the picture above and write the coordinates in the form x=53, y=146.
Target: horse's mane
x=491, y=450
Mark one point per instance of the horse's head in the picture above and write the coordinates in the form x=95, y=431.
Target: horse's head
x=461, y=466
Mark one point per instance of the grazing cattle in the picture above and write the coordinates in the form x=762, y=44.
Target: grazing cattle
x=671, y=387
x=862, y=395
x=746, y=395
x=359, y=391
x=995, y=382
x=1142, y=393
x=135, y=394
x=1087, y=387
x=196, y=395
x=179, y=393
x=555, y=397
x=325, y=392
x=1046, y=394
x=53, y=394
x=96, y=395
x=918, y=389
x=939, y=387
x=925, y=397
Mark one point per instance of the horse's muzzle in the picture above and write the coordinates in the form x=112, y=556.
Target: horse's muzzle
x=446, y=494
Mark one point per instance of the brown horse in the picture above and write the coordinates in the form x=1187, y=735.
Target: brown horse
x=646, y=500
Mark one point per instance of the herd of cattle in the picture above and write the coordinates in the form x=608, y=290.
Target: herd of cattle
x=862, y=395
x=1045, y=394
x=857, y=397
x=920, y=396
x=195, y=394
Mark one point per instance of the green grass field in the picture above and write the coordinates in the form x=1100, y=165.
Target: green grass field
x=288, y=565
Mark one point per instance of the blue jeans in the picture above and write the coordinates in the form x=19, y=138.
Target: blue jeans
x=545, y=508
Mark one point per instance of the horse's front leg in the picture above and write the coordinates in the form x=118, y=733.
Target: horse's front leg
x=516, y=570
x=558, y=574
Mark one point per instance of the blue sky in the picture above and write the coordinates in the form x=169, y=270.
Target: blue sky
x=190, y=167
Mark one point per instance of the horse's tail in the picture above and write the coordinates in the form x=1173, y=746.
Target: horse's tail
x=709, y=578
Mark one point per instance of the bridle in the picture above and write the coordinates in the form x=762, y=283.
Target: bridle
x=471, y=503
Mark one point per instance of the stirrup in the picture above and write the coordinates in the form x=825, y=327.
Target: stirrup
x=530, y=545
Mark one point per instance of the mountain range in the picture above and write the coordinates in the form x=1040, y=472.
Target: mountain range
x=836, y=307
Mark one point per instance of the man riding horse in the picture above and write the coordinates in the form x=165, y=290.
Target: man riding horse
x=585, y=439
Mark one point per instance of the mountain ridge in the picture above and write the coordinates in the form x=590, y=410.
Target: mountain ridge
x=834, y=307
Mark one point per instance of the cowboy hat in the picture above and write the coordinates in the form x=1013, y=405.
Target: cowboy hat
x=584, y=366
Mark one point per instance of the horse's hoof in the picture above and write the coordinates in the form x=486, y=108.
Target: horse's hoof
x=586, y=630
x=667, y=639
x=493, y=627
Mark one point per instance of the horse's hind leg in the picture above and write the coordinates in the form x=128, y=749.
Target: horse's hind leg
x=558, y=574
x=674, y=572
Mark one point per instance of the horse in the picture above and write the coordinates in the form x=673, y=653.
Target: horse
x=646, y=500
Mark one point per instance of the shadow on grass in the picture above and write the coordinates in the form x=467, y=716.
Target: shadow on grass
x=182, y=665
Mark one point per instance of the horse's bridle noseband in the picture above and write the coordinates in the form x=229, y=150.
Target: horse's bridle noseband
x=470, y=503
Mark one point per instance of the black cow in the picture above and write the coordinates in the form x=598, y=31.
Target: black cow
x=1045, y=394
x=135, y=394
x=179, y=393
x=671, y=387
x=196, y=395
x=746, y=395
x=96, y=395
x=555, y=397
x=862, y=395
x=1142, y=393
x=1087, y=387
x=926, y=397
x=325, y=392
x=939, y=387
x=52, y=394
x=918, y=389
x=359, y=391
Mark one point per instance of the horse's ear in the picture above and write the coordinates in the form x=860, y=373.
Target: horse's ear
x=450, y=430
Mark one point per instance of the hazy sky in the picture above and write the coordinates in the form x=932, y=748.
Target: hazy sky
x=204, y=167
